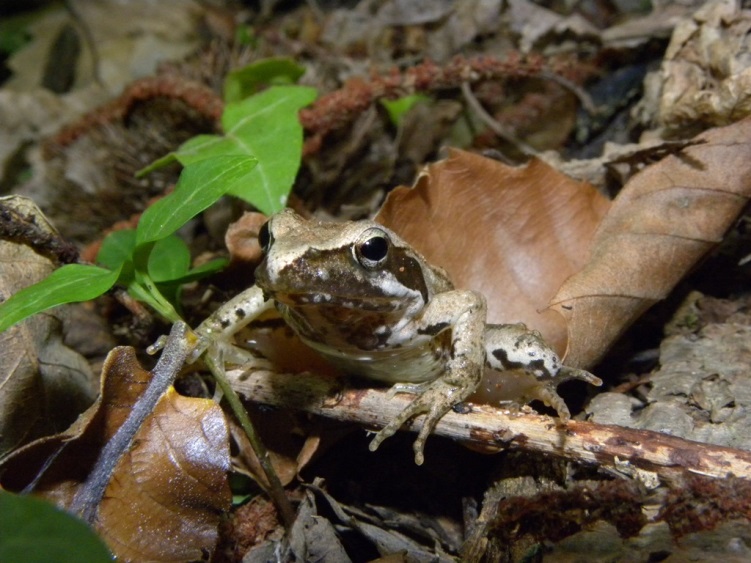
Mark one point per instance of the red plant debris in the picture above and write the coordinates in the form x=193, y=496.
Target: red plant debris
x=336, y=109
x=703, y=503
x=195, y=95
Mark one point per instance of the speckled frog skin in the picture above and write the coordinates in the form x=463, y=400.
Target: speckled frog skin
x=372, y=305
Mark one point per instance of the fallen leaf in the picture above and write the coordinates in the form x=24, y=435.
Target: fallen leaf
x=45, y=385
x=512, y=233
x=282, y=447
x=539, y=27
x=132, y=38
x=241, y=238
x=664, y=220
x=168, y=492
x=706, y=75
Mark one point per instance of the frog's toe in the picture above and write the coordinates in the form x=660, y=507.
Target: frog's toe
x=548, y=395
x=428, y=425
x=385, y=432
x=416, y=407
x=421, y=405
x=567, y=373
x=158, y=345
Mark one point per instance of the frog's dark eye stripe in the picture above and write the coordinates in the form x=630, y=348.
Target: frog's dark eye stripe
x=372, y=251
x=264, y=237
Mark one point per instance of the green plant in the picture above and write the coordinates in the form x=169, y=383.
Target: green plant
x=398, y=108
x=34, y=531
x=256, y=159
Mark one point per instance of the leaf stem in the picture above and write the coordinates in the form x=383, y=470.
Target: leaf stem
x=144, y=289
x=276, y=490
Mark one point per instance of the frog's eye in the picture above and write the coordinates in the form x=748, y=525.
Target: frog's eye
x=372, y=251
x=264, y=237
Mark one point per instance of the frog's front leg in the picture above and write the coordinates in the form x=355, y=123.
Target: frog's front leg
x=215, y=334
x=464, y=313
x=515, y=348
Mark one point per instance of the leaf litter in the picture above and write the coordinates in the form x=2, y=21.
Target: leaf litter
x=619, y=258
x=167, y=493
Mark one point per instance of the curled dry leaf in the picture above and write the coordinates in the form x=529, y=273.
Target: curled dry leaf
x=706, y=73
x=666, y=218
x=512, y=233
x=167, y=493
x=44, y=384
x=242, y=238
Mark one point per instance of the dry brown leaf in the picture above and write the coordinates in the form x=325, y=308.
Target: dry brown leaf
x=282, y=446
x=706, y=75
x=167, y=493
x=241, y=238
x=44, y=385
x=512, y=233
x=664, y=221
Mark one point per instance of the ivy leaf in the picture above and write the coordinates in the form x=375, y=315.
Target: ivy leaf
x=201, y=184
x=70, y=284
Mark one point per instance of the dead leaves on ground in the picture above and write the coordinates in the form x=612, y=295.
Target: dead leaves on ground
x=168, y=491
x=705, y=77
x=44, y=384
x=513, y=234
x=664, y=221
x=538, y=244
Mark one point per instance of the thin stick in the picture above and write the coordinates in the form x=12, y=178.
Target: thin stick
x=86, y=501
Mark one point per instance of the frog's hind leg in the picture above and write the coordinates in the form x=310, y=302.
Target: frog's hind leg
x=514, y=347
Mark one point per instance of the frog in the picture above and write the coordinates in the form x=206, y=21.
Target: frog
x=374, y=307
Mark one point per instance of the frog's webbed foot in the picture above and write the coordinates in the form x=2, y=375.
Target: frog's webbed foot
x=435, y=400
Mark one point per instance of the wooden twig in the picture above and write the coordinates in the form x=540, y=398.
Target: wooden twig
x=86, y=501
x=612, y=447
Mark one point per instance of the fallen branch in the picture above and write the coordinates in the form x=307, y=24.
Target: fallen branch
x=612, y=447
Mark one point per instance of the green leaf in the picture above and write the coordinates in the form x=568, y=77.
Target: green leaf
x=399, y=107
x=169, y=259
x=117, y=251
x=266, y=127
x=34, y=531
x=203, y=270
x=201, y=184
x=161, y=162
x=70, y=284
x=248, y=80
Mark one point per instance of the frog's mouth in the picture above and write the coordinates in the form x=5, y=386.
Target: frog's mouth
x=338, y=292
x=322, y=299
